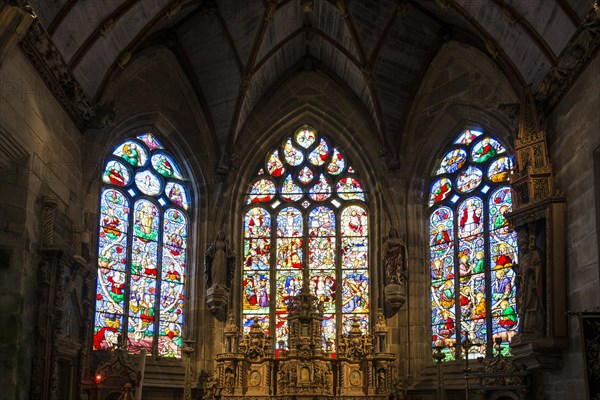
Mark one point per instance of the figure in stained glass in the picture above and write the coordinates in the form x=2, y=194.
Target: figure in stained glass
x=440, y=190
x=319, y=155
x=321, y=190
x=508, y=317
x=355, y=287
x=292, y=155
x=274, y=164
x=349, y=189
x=116, y=173
x=148, y=183
x=471, y=222
x=289, y=223
x=322, y=285
x=150, y=141
x=502, y=256
x=321, y=252
x=163, y=165
x=467, y=137
x=177, y=194
x=132, y=153
x=337, y=163
x=257, y=254
x=262, y=191
x=354, y=252
x=354, y=221
x=289, y=253
x=452, y=161
x=289, y=190
x=321, y=222
x=485, y=150
x=500, y=169
x=257, y=223
x=500, y=204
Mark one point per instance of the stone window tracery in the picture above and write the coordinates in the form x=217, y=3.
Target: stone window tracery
x=305, y=221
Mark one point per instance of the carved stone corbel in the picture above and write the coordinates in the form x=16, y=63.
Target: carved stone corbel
x=14, y=20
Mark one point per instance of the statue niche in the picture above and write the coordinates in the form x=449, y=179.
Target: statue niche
x=219, y=267
x=530, y=275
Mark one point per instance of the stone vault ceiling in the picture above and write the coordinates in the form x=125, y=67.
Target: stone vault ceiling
x=235, y=51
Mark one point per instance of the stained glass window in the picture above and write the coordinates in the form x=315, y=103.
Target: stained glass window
x=142, y=247
x=306, y=223
x=472, y=249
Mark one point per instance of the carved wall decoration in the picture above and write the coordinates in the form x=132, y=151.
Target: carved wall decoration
x=581, y=48
x=503, y=376
x=64, y=321
x=64, y=310
x=46, y=59
x=15, y=19
x=589, y=328
x=117, y=373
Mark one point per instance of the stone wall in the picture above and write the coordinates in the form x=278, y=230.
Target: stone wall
x=574, y=133
x=41, y=155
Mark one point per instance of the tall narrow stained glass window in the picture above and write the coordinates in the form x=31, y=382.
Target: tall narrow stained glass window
x=472, y=249
x=142, y=245
x=306, y=222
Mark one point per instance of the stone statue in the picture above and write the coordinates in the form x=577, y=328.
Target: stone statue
x=530, y=273
x=219, y=262
x=395, y=262
x=381, y=324
x=395, y=265
x=211, y=390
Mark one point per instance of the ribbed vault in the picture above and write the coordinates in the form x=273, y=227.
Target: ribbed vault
x=234, y=51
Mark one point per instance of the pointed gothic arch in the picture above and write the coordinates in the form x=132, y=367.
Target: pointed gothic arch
x=144, y=222
x=306, y=221
x=472, y=249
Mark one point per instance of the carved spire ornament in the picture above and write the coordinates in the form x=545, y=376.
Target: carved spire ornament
x=538, y=215
x=533, y=180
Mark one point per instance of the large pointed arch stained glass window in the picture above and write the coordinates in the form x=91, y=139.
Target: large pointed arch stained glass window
x=472, y=249
x=142, y=246
x=306, y=222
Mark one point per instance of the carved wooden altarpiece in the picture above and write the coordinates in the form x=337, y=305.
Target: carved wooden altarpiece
x=251, y=369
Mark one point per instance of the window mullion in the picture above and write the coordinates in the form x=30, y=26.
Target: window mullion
x=488, y=280
x=457, y=313
x=127, y=298
x=273, y=276
x=159, y=267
